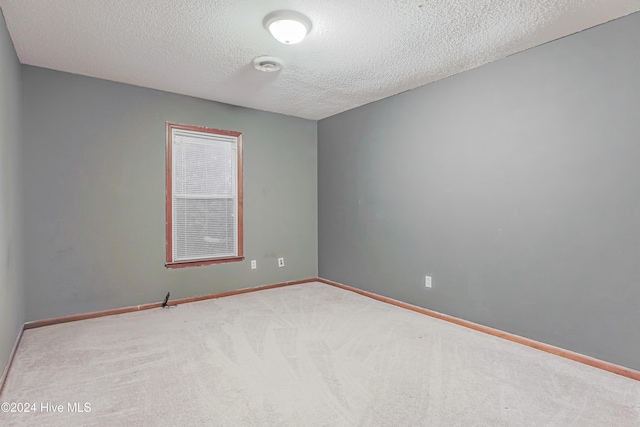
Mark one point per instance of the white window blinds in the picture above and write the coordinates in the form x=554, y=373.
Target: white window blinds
x=204, y=196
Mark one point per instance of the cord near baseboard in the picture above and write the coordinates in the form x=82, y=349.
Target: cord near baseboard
x=165, y=303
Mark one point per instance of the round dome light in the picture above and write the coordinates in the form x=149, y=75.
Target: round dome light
x=287, y=26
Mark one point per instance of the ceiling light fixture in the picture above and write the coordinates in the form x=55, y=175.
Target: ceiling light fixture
x=287, y=26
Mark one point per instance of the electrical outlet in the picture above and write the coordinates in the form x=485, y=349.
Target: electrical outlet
x=254, y=264
x=427, y=281
x=280, y=262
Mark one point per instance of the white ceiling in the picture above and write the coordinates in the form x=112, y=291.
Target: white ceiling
x=358, y=51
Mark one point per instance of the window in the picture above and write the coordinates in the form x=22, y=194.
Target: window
x=204, y=196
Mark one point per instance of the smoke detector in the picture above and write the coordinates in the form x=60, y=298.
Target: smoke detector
x=267, y=64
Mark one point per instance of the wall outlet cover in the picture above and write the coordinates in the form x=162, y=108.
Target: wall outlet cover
x=280, y=262
x=254, y=264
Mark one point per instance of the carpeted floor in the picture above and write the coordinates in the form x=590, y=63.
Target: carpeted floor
x=303, y=355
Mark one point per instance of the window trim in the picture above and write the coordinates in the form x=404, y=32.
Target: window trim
x=169, y=197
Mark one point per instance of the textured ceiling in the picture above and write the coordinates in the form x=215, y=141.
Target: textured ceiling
x=358, y=51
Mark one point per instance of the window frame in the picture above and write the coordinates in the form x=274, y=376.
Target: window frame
x=170, y=263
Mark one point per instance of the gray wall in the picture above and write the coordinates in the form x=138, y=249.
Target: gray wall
x=516, y=185
x=94, y=170
x=11, y=268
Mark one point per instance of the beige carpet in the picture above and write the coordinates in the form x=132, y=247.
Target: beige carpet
x=304, y=355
